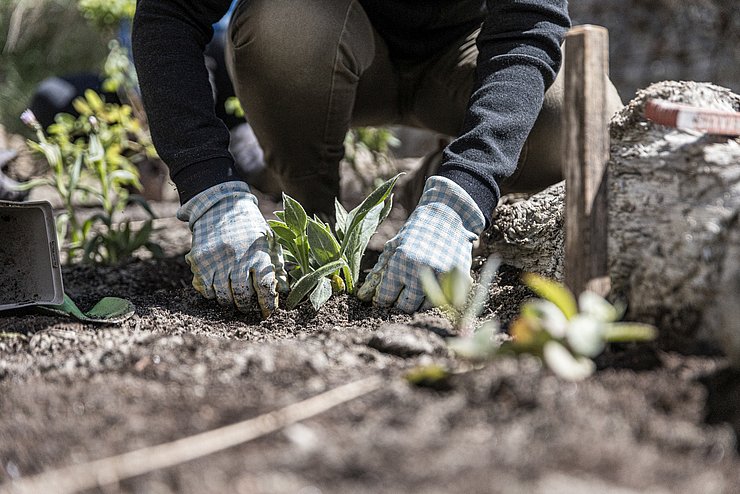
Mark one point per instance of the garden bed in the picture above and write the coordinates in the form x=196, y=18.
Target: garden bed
x=648, y=420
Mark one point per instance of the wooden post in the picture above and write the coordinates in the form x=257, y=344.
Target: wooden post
x=586, y=153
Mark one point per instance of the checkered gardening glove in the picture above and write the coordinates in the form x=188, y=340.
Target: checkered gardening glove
x=438, y=234
x=230, y=255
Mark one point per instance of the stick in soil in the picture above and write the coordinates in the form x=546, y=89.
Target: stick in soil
x=114, y=469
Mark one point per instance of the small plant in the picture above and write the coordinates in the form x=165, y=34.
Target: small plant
x=92, y=158
x=367, y=151
x=566, y=334
x=551, y=328
x=326, y=262
x=454, y=295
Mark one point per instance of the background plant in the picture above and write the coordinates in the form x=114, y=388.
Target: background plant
x=325, y=261
x=563, y=333
x=39, y=39
x=107, y=14
x=368, y=152
x=92, y=159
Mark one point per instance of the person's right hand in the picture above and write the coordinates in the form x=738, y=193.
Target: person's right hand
x=230, y=256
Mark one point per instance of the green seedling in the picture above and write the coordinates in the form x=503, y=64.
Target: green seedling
x=454, y=295
x=325, y=261
x=92, y=159
x=564, y=333
x=567, y=334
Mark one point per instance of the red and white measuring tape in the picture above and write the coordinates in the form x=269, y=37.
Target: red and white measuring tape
x=690, y=117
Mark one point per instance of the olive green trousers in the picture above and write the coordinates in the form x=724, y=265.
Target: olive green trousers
x=306, y=71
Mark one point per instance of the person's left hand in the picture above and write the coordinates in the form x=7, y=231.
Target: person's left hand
x=439, y=234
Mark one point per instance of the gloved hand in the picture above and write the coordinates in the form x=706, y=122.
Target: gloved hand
x=230, y=255
x=438, y=234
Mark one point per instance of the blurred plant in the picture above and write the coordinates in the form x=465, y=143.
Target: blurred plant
x=367, y=151
x=121, y=78
x=93, y=157
x=455, y=296
x=107, y=13
x=233, y=106
x=554, y=329
x=40, y=39
x=324, y=261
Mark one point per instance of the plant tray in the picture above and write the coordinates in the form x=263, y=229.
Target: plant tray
x=30, y=272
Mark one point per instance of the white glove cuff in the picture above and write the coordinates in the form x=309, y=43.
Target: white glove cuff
x=445, y=191
x=196, y=207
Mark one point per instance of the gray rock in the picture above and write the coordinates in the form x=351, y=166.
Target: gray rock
x=674, y=218
x=674, y=222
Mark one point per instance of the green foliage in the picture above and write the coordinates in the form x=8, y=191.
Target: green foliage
x=119, y=71
x=93, y=158
x=367, y=151
x=566, y=335
x=39, y=39
x=234, y=107
x=106, y=14
x=454, y=295
x=323, y=261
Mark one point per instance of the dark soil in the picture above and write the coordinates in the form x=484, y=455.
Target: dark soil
x=649, y=420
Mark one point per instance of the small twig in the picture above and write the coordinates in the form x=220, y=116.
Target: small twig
x=114, y=469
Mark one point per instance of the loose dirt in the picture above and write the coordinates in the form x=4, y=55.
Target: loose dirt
x=650, y=420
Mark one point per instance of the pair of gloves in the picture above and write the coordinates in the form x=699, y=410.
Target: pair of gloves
x=230, y=255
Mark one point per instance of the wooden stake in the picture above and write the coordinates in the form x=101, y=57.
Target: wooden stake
x=586, y=153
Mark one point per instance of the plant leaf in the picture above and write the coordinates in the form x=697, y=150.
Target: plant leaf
x=386, y=209
x=295, y=215
x=548, y=317
x=321, y=241
x=586, y=335
x=564, y=364
x=456, y=286
x=321, y=293
x=74, y=177
x=155, y=249
x=629, y=331
x=341, y=219
x=282, y=231
x=554, y=292
x=94, y=100
x=431, y=288
x=597, y=306
x=143, y=203
x=376, y=197
x=304, y=285
x=31, y=184
x=357, y=239
x=142, y=236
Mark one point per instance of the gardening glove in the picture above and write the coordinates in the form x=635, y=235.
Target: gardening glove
x=230, y=254
x=439, y=234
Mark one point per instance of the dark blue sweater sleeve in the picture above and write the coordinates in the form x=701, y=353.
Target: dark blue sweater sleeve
x=519, y=57
x=168, y=40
